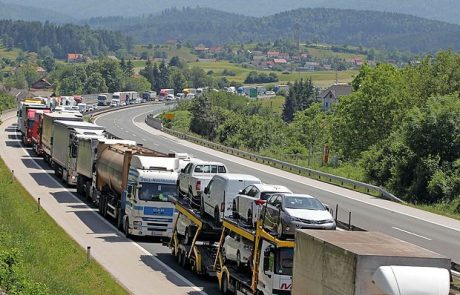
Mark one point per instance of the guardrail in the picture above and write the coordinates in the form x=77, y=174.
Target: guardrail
x=311, y=173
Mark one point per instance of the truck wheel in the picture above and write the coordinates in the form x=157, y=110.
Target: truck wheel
x=126, y=228
x=224, y=286
x=120, y=217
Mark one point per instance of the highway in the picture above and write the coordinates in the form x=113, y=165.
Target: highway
x=434, y=232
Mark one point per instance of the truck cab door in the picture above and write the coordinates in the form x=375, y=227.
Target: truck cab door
x=266, y=268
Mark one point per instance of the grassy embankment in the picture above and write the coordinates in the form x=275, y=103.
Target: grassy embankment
x=36, y=255
x=47, y=255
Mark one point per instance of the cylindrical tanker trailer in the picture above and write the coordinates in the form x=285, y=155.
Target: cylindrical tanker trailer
x=134, y=184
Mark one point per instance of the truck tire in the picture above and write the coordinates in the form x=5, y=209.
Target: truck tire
x=225, y=285
x=120, y=217
x=126, y=228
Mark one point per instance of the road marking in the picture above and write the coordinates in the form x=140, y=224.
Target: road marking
x=411, y=233
x=72, y=195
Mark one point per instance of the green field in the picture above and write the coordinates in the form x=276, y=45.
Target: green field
x=320, y=78
x=47, y=254
x=183, y=53
x=11, y=54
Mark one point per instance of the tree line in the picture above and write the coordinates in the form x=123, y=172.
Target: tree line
x=400, y=128
x=61, y=39
x=383, y=30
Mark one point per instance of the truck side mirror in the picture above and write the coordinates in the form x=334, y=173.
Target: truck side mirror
x=130, y=191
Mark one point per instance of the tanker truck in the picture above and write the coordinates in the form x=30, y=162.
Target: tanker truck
x=86, y=159
x=134, y=186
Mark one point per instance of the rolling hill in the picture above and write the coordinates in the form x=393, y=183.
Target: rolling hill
x=443, y=10
x=20, y=12
x=389, y=31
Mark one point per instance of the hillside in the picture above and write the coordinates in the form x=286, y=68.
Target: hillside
x=20, y=12
x=443, y=10
x=389, y=31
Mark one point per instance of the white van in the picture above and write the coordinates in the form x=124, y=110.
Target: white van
x=218, y=195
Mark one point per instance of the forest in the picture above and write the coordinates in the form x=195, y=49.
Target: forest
x=400, y=128
x=383, y=30
x=60, y=39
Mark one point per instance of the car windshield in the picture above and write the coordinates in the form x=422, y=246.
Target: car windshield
x=210, y=169
x=294, y=202
x=285, y=261
x=267, y=195
x=157, y=192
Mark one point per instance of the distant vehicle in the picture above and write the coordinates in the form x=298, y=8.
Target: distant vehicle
x=164, y=93
x=217, y=199
x=114, y=103
x=237, y=249
x=284, y=213
x=170, y=97
x=248, y=203
x=196, y=176
x=149, y=95
x=271, y=93
x=82, y=107
x=180, y=95
x=102, y=100
x=190, y=96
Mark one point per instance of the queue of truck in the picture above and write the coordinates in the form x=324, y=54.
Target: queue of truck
x=255, y=238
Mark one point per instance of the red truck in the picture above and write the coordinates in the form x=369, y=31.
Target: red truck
x=30, y=122
x=36, y=134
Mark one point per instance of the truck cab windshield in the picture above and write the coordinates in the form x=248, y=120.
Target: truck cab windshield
x=156, y=192
x=285, y=261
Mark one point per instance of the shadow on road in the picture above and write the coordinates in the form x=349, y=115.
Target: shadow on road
x=30, y=163
x=91, y=219
x=65, y=197
x=13, y=143
x=209, y=285
x=44, y=179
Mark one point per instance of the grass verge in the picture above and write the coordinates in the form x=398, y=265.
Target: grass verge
x=48, y=256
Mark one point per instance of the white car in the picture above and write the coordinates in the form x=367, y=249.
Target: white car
x=170, y=97
x=248, y=202
x=185, y=229
x=237, y=249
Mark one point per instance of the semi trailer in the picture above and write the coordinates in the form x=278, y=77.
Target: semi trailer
x=65, y=149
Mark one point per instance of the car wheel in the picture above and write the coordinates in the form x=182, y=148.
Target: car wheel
x=238, y=259
x=234, y=211
x=202, y=207
x=250, y=218
x=216, y=215
x=279, y=230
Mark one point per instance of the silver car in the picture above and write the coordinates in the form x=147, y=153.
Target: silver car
x=284, y=213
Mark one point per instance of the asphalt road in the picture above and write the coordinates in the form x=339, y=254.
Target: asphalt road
x=434, y=232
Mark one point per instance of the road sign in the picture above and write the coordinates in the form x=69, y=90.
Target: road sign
x=170, y=116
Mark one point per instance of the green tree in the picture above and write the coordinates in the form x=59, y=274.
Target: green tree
x=369, y=115
x=49, y=63
x=95, y=83
x=177, y=80
x=129, y=68
x=113, y=75
x=138, y=84
x=197, y=77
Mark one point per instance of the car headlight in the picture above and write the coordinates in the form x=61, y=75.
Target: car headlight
x=296, y=219
x=247, y=247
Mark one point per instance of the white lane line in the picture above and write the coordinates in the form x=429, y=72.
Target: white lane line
x=199, y=290
x=411, y=233
x=126, y=131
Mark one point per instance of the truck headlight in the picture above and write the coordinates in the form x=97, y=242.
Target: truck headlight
x=137, y=222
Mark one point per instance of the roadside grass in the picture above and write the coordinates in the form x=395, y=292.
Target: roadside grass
x=445, y=209
x=49, y=255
